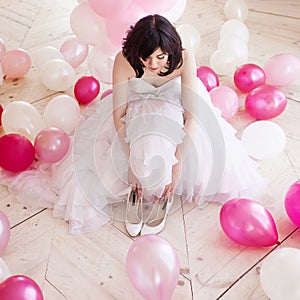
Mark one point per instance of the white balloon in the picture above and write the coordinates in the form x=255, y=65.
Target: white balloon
x=23, y=118
x=100, y=65
x=190, y=37
x=176, y=11
x=236, y=46
x=224, y=62
x=263, y=140
x=62, y=112
x=235, y=27
x=57, y=75
x=4, y=270
x=44, y=54
x=236, y=9
x=280, y=274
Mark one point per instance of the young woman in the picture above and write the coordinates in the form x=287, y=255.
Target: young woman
x=157, y=139
x=168, y=127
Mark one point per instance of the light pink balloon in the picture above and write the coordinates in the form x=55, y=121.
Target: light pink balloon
x=153, y=267
x=265, y=102
x=109, y=8
x=208, y=77
x=226, y=100
x=51, y=144
x=292, y=203
x=16, y=63
x=248, y=77
x=74, y=51
x=20, y=287
x=118, y=24
x=248, y=223
x=282, y=69
x=87, y=25
x=2, y=48
x=155, y=6
x=4, y=232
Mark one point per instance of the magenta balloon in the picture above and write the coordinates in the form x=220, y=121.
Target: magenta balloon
x=248, y=77
x=86, y=89
x=4, y=233
x=74, y=51
x=153, y=267
x=16, y=152
x=16, y=63
x=248, y=223
x=292, y=203
x=1, y=111
x=265, y=102
x=226, y=100
x=51, y=144
x=20, y=287
x=208, y=77
x=282, y=69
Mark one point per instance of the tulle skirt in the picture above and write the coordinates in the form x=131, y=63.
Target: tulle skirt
x=93, y=177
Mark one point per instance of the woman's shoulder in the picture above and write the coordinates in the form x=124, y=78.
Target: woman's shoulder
x=122, y=70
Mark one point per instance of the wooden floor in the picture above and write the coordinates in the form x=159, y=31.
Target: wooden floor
x=92, y=266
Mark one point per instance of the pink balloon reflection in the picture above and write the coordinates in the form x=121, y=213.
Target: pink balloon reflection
x=208, y=77
x=20, y=287
x=153, y=267
x=248, y=223
x=51, y=144
x=292, y=203
x=265, y=102
x=248, y=77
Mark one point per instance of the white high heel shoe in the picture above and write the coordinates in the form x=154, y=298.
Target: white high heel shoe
x=134, y=213
x=156, y=220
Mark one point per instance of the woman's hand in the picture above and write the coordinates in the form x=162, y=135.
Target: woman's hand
x=133, y=181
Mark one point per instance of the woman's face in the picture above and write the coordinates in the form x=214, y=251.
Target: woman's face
x=156, y=62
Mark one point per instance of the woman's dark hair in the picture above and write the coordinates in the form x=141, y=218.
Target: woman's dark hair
x=147, y=35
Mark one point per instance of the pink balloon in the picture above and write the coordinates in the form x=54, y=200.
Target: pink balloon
x=155, y=6
x=208, y=77
x=86, y=89
x=118, y=24
x=153, y=267
x=282, y=69
x=109, y=8
x=226, y=100
x=2, y=48
x=51, y=144
x=265, y=102
x=4, y=232
x=248, y=77
x=248, y=223
x=292, y=203
x=16, y=63
x=20, y=287
x=106, y=93
x=74, y=51
x=16, y=152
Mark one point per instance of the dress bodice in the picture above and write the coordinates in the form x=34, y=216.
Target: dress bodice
x=170, y=91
